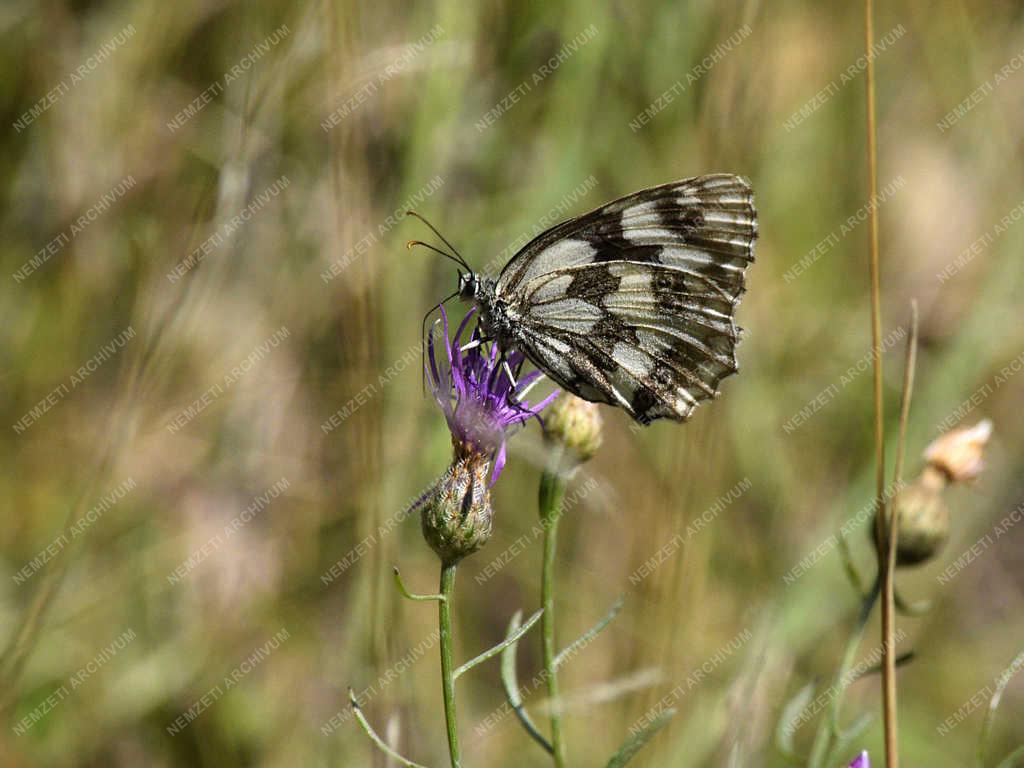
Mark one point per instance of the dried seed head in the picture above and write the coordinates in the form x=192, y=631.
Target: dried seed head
x=958, y=453
x=575, y=424
x=457, y=520
x=923, y=520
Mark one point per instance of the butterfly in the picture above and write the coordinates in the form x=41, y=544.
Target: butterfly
x=634, y=303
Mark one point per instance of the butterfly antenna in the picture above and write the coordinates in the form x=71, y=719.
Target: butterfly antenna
x=448, y=256
x=444, y=240
x=423, y=336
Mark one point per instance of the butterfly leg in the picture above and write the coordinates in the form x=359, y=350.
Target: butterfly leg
x=508, y=372
x=513, y=399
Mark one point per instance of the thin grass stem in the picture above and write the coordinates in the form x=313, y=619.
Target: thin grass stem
x=909, y=367
x=885, y=557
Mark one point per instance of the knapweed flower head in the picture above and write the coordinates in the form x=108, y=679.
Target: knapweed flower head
x=861, y=761
x=457, y=519
x=474, y=388
x=480, y=401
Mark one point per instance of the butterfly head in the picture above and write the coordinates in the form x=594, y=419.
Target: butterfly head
x=469, y=286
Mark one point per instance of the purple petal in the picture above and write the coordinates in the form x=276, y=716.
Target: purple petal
x=462, y=327
x=432, y=357
x=545, y=402
x=498, y=381
x=861, y=761
x=459, y=382
x=447, y=340
x=499, y=463
x=527, y=380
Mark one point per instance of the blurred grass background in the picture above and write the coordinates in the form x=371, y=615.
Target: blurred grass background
x=410, y=125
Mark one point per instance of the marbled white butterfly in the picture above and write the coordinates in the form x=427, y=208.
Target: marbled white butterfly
x=633, y=303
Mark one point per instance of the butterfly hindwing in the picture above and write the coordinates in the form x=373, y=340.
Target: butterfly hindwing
x=652, y=339
x=633, y=304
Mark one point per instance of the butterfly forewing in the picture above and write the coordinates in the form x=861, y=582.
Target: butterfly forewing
x=633, y=304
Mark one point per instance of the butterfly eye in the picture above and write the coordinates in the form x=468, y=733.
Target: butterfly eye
x=467, y=286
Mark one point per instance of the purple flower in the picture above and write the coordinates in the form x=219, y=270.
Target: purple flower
x=476, y=395
x=861, y=761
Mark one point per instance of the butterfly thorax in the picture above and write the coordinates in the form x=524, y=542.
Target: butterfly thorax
x=495, y=319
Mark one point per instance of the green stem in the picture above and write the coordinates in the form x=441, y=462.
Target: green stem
x=552, y=492
x=444, y=620
x=828, y=728
x=844, y=678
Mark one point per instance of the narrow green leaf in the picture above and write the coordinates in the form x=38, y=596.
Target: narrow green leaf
x=851, y=736
x=400, y=584
x=570, y=650
x=849, y=567
x=510, y=682
x=1013, y=759
x=510, y=639
x=860, y=725
x=904, y=658
x=993, y=705
x=908, y=608
x=783, y=731
x=635, y=742
x=377, y=740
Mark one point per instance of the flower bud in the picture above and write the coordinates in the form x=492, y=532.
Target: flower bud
x=457, y=520
x=958, y=453
x=576, y=425
x=923, y=519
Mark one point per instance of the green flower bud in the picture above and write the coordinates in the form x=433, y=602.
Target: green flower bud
x=923, y=519
x=576, y=425
x=457, y=520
